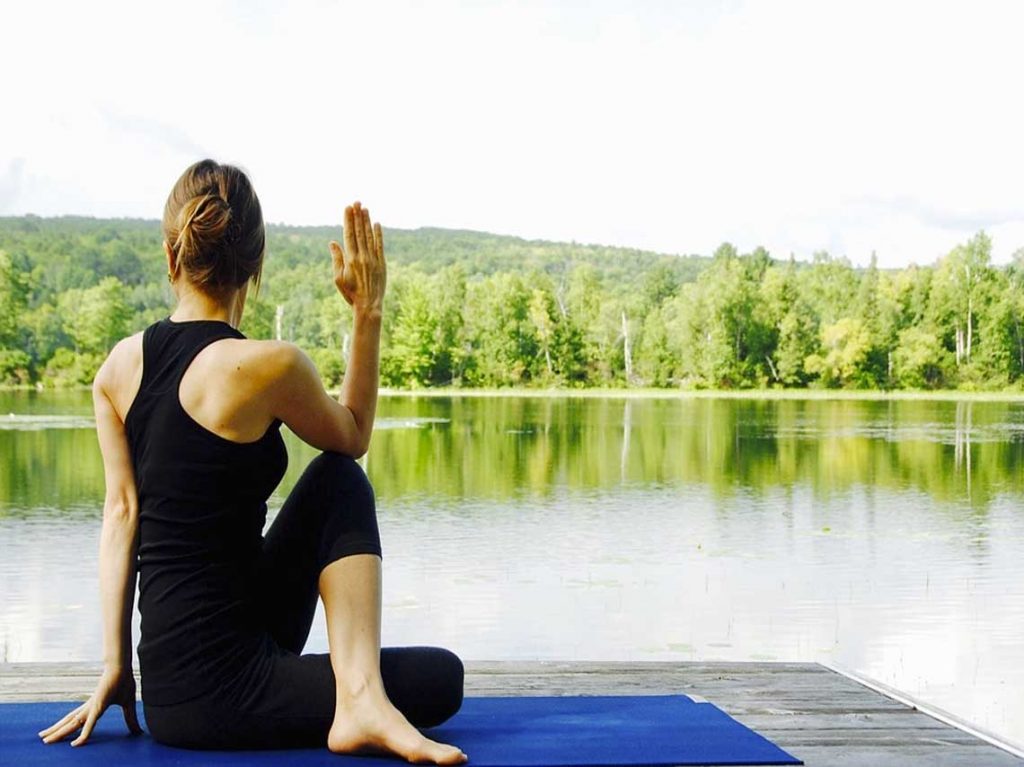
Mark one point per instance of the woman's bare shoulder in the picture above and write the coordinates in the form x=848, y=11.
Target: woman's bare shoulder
x=267, y=360
x=121, y=373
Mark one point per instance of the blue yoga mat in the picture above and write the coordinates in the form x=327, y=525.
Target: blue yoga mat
x=629, y=731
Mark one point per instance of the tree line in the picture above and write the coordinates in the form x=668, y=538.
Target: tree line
x=468, y=309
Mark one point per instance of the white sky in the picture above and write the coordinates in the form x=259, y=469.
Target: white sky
x=851, y=127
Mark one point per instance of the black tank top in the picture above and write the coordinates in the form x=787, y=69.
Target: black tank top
x=202, y=508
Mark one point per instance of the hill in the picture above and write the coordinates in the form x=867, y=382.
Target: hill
x=474, y=309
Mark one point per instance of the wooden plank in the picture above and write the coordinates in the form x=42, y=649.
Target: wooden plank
x=915, y=756
x=821, y=716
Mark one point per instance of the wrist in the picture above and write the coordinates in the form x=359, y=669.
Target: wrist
x=367, y=313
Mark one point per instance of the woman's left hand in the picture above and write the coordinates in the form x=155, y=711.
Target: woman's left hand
x=113, y=688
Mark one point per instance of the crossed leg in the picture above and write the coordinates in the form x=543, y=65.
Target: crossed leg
x=325, y=542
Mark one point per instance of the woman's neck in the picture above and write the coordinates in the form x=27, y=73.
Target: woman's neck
x=194, y=305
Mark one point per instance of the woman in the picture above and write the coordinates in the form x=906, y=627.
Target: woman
x=188, y=415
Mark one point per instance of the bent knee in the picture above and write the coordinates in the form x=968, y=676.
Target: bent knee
x=448, y=692
x=336, y=463
x=346, y=507
x=339, y=473
x=457, y=675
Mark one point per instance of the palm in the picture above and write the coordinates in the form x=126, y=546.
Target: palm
x=360, y=272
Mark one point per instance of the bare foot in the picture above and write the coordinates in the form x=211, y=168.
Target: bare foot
x=369, y=723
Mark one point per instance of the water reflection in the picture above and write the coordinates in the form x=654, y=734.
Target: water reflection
x=882, y=535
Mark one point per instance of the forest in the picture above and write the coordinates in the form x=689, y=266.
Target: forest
x=476, y=310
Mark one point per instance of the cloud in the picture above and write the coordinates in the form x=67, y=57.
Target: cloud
x=941, y=217
x=166, y=135
x=672, y=126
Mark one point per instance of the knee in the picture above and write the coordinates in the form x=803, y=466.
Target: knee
x=425, y=683
x=450, y=676
x=336, y=472
x=457, y=676
x=345, y=503
x=336, y=464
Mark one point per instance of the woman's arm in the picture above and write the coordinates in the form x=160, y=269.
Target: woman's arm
x=119, y=533
x=118, y=549
x=298, y=394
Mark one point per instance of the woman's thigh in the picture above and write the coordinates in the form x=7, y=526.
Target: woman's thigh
x=292, y=706
x=295, y=707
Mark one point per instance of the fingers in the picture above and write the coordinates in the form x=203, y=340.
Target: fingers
x=360, y=227
x=350, y=231
x=64, y=726
x=378, y=238
x=60, y=722
x=371, y=245
x=338, y=254
x=90, y=722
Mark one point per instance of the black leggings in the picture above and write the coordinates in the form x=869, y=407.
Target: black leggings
x=289, y=700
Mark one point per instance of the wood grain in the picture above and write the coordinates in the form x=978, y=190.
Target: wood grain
x=818, y=715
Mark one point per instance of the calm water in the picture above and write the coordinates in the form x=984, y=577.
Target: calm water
x=884, y=537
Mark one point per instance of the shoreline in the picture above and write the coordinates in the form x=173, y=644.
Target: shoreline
x=944, y=395
x=939, y=395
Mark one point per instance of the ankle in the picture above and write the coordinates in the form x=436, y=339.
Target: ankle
x=356, y=685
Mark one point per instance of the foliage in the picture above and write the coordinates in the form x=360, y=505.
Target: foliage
x=481, y=310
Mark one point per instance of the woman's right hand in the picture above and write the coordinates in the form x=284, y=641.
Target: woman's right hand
x=360, y=272
x=114, y=687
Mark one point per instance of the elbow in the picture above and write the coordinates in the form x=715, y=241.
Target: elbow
x=359, y=449
x=356, y=438
x=120, y=513
x=363, y=443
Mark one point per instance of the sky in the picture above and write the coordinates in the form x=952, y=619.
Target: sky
x=852, y=127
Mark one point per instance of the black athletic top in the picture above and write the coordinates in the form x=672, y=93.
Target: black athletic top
x=202, y=508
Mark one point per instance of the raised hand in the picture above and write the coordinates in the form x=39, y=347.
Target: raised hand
x=360, y=273
x=113, y=687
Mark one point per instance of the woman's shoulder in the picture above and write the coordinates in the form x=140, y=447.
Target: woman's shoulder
x=271, y=352
x=266, y=361
x=119, y=375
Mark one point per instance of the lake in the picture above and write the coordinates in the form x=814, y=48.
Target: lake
x=884, y=537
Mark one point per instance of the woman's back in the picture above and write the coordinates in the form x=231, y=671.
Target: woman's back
x=202, y=508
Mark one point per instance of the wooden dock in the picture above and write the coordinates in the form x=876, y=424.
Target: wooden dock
x=817, y=714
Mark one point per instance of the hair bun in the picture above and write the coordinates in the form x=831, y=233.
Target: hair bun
x=203, y=222
x=214, y=225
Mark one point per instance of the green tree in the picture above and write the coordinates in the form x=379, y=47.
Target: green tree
x=95, y=318
x=845, y=346
x=408, y=353
x=918, y=359
x=14, y=367
x=732, y=341
x=794, y=332
x=1014, y=298
x=829, y=286
x=655, y=358
x=959, y=285
x=501, y=340
x=14, y=294
x=875, y=367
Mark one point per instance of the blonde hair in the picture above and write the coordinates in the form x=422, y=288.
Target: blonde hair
x=214, y=224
